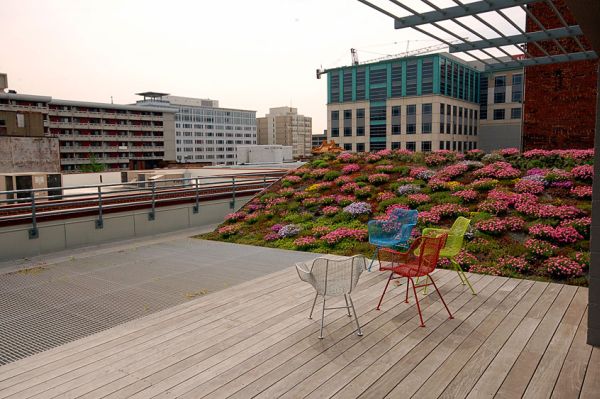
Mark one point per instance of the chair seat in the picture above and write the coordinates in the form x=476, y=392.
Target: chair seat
x=389, y=243
x=404, y=271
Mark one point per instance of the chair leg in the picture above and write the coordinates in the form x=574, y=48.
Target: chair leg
x=407, y=287
x=347, y=305
x=462, y=275
x=373, y=258
x=441, y=297
x=322, y=319
x=358, y=330
x=417, y=301
x=384, y=290
x=313, y=306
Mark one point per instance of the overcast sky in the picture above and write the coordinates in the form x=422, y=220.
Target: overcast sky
x=246, y=54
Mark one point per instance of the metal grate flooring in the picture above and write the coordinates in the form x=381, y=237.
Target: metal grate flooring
x=47, y=306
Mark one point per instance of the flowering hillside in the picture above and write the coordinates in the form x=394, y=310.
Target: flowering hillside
x=530, y=212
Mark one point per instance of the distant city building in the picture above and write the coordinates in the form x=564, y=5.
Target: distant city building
x=319, y=138
x=204, y=132
x=259, y=154
x=285, y=127
x=422, y=103
x=119, y=137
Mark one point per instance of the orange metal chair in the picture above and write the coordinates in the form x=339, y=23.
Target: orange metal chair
x=419, y=261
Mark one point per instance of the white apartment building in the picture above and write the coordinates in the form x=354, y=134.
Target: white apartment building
x=283, y=126
x=204, y=132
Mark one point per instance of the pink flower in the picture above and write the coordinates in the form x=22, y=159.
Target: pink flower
x=341, y=233
x=529, y=186
x=509, y=151
x=418, y=199
x=305, y=242
x=330, y=210
x=498, y=170
x=466, y=195
x=582, y=192
x=292, y=179
x=349, y=188
x=236, y=216
x=350, y=168
x=563, y=267
x=583, y=172
x=517, y=263
x=384, y=153
x=385, y=195
x=378, y=178
x=346, y=157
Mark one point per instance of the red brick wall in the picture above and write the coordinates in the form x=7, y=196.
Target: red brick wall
x=560, y=99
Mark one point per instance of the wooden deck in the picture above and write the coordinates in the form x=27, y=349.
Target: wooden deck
x=516, y=338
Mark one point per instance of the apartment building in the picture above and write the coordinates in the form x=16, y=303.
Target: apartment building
x=205, y=132
x=283, y=126
x=422, y=103
x=318, y=139
x=118, y=136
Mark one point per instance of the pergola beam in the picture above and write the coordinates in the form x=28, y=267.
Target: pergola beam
x=456, y=12
x=538, y=36
x=581, y=56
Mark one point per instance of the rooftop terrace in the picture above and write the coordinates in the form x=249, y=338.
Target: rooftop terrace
x=516, y=337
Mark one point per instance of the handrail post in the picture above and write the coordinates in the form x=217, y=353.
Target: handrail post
x=100, y=220
x=197, y=206
x=232, y=203
x=33, y=231
x=264, y=181
x=152, y=214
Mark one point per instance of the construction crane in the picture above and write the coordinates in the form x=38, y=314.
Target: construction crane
x=411, y=53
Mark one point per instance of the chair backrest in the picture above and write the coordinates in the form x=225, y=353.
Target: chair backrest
x=337, y=276
x=426, y=252
x=456, y=234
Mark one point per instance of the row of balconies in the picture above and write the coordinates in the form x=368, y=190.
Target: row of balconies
x=101, y=114
x=104, y=126
x=73, y=149
x=94, y=137
x=83, y=161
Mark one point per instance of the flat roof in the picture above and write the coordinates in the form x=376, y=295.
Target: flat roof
x=113, y=106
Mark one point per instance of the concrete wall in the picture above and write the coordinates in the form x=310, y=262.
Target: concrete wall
x=73, y=233
x=29, y=154
x=495, y=137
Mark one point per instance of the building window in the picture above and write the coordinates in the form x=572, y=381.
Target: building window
x=483, y=95
x=499, y=114
x=500, y=81
x=460, y=120
x=378, y=113
x=360, y=147
x=499, y=97
x=411, y=119
x=335, y=87
x=442, y=75
x=441, y=145
x=411, y=146
x=378, y=93
x=426, y=119
x=377, y=145
x=347, y=80
x=377, y=76
x=360, y=122
x=347, y=131
x=377, y=131
x=347, y=122
x=335, y=123
x=396, y=80
x=411, y=78
x=348, y=147
x=360, y=84
x=515, y=113
x=426, y=146
x=395, y=145
x=517, y=79
x=454, y=118
x=396, y=112
x=427, y=76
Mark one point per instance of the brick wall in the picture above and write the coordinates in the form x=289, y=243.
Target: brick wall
x=560, y=99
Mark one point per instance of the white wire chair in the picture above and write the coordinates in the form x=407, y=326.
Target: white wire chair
x=332, y=276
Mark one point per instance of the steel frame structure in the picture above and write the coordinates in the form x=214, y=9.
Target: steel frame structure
x=420, y=21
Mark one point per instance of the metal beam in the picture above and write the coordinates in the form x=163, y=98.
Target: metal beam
x=457, y=12
x=549, y=34
x=587, y=55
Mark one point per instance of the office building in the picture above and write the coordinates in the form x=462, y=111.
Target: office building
x=119, y=137
x=283, y=126
x=205, y=132
x=422, y=103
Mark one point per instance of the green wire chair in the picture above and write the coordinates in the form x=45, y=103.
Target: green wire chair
x=454, y=242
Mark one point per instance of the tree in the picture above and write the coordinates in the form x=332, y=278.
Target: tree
x=93, y=167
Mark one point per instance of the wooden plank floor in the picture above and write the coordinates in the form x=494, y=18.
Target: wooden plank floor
x=516, y=338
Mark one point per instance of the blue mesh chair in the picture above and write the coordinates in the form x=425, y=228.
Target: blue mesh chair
x=392, y=233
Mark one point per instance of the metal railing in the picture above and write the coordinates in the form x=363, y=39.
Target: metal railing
x=30, y=206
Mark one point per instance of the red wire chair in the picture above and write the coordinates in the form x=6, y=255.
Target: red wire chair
x=419, y=261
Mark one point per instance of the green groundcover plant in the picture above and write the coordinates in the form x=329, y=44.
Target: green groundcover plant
x=530, y=212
